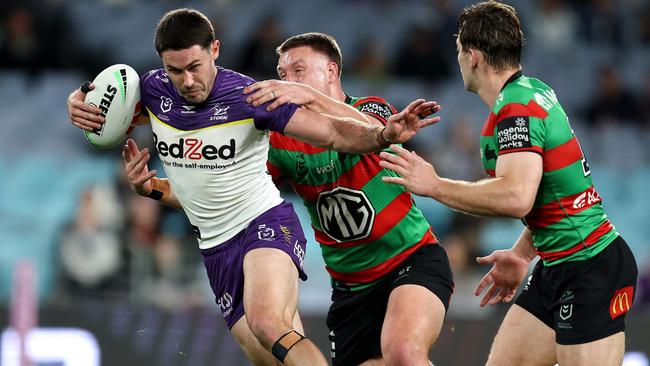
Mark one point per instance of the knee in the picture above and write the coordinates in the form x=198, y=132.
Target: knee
x=267, y=329
x=403, y=353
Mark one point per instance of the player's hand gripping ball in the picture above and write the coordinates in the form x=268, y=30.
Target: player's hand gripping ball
x=117, y=94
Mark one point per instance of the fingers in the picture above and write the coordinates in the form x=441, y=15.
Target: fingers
x=133, y=147
x=278, y=102
x=427, y=109
x=510, y=296
x=394, y=167
x=429, y=121
x=393, y=180
x=492, y=291
x=257, y=86
x=402, y=152
x=483, y=283
x=487, y=259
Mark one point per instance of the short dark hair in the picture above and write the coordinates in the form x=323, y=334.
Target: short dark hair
x=183, y=28
x=320, y=42
x=493, y=28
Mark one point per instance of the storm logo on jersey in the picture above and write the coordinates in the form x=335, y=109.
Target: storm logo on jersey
x=194, y=149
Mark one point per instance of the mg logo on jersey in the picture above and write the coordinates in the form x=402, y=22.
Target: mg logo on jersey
x=194, y=149
x=621, y=302
x=345, y=214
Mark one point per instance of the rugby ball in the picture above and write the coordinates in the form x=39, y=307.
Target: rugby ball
x=117, y=94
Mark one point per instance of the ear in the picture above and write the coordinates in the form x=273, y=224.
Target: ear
x=214, y=49
x=474, y=57
x=332, y=71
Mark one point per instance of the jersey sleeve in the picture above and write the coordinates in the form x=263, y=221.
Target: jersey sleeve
x=273, y=164
x=520, y=128
x=375, y=107
x=275, y=120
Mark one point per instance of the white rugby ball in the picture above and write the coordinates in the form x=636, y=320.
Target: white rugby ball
x=117, y=94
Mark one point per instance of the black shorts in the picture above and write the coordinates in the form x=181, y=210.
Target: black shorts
x=355, y=318
x=583, y=301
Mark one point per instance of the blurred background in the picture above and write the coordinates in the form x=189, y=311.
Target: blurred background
x=118, y=279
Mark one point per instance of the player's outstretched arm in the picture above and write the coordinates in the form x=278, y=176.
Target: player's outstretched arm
x=142, y=180
x=511, y=193
x=279, y=92
x=83, y=115
x=509, y=268
x=354, y=136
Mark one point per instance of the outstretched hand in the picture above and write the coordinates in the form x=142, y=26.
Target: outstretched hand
x=416, y=175
x=137, y=172
x=405, y=124
x=507, y=273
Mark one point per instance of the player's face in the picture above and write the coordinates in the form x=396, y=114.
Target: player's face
x=464, y=60
x=192, y=71
x=307, y=66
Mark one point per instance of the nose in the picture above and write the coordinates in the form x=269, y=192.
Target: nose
x=188, y=79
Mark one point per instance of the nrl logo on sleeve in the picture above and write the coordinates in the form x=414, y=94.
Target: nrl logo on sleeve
x=376, y=108
x=514, y=133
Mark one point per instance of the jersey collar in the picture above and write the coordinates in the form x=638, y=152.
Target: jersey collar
x=512, y=78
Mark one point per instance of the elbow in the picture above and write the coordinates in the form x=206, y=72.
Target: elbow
x=519, y=205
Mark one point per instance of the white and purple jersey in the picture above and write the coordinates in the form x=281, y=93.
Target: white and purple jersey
x=214, y=153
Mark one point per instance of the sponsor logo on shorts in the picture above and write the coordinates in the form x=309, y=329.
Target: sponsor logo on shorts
x=286, y=235
x=621, y=301
x=299, y=252
x=566, y=311
x=225, y=304
x=530, y=278
x=265, y=233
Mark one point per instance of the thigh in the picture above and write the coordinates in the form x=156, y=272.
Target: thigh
x=523, y=339
x=607, y=351
x=270, y=285
x=413, y=319
x=421, y=290
x=354, y=321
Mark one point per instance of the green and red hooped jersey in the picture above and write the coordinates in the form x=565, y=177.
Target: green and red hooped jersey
x=567, y=220
x=364, y=226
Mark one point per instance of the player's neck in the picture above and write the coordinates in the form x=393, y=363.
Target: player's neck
x=492, y=84
x=337, y=93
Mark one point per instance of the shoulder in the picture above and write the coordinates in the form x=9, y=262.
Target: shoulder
x=232, y=78
x=154, y=76
x=375, y=106
x=526, y=97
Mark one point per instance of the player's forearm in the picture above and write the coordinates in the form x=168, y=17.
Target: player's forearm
x=162, y=191
x=326, y=105
x=488, y=197
x=524, y=246
x=353, y=136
